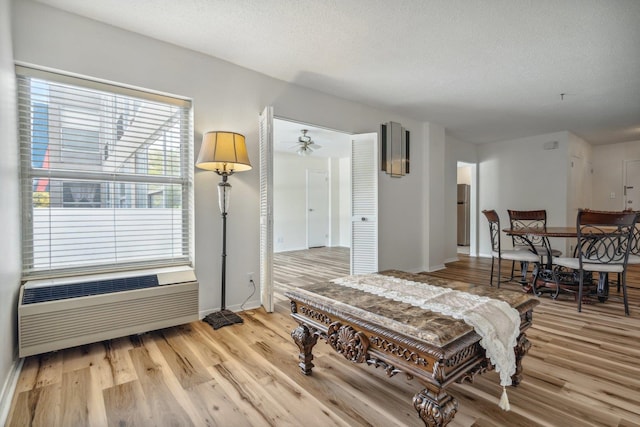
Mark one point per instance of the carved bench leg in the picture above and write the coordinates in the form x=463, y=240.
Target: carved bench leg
x=522, y=347
x=305, y=342
x=435, y=410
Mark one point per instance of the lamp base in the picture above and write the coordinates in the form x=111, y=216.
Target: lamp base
x=222, y=318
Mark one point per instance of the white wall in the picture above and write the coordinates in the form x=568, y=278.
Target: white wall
x=340, y=202
x=608, y=173
x=401, y=214
x=228, y=97
x=438, y=235
x=520, y=174
x=290, y=196
x=10, y=261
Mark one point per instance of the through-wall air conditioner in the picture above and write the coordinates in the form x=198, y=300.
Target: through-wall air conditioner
x=60, y=313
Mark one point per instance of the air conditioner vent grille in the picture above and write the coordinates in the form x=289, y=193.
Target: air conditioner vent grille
x=69, y=322
x=98, y=287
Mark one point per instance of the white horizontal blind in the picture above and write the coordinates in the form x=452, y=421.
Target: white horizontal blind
x=106, y=176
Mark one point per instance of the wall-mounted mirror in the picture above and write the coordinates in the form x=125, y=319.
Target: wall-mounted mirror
x=394, y=149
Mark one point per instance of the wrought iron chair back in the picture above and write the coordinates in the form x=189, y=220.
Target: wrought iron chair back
x=604, y=237
x=538, y=244
x=634, y=245
x=494, y=229
x=499, y=254
x=527, y=219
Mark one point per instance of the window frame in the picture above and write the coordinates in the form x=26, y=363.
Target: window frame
x=30, y=173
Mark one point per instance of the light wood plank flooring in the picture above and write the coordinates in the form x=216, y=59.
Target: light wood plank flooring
x=583, y=370
x=299, y=268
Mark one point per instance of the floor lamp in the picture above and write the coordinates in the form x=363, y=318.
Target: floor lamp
x=224, y=153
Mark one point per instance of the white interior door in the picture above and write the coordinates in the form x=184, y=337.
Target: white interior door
x=587, y=188
x=317, y=208
x=576, y=185
x=632, y=185
x=266, y=207
x=364, y=203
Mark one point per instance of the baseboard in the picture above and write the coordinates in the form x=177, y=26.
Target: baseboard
x=8, y=390
x=235, y=308
x=437, y=267
x=454, y=259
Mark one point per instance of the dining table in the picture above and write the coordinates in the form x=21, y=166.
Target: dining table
x=568, y=279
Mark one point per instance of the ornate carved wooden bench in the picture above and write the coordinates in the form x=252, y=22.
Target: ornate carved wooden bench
x=401, y=338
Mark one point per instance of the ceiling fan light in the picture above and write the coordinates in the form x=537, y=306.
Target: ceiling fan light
x=305, y=144
x=304, y=139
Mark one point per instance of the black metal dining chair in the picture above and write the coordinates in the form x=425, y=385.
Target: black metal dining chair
x=530, y=219
x=603, y=246
x=634, y=248
x=512, y=255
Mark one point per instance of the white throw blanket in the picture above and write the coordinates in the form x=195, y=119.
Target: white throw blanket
x=497, y=323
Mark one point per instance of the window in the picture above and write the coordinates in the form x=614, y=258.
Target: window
x=107, y=176
x=79, y=136
x=81, y=194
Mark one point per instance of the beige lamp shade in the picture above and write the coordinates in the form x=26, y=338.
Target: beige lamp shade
x=224, y=153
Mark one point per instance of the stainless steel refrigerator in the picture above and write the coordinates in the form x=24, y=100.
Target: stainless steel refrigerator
x=463, y=214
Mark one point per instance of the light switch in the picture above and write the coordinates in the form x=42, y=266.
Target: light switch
x=612, y=195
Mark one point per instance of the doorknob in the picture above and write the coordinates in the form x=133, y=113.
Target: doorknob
x=364, y=218
x=629, y=202
x=310, y=210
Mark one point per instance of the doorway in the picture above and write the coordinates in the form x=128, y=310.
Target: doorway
x=311, y=203
x=362, y=185
x=311, y=192
x=466, y=202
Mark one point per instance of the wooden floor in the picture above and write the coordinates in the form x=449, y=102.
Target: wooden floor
x=583, y=370
x=299, y=268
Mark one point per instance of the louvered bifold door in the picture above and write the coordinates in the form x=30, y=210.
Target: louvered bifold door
x=266, y=208
x=364, y=204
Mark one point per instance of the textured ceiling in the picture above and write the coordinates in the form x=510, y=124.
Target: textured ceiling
x=486, y=70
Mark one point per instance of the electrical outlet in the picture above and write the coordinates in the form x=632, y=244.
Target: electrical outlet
x=250, y=278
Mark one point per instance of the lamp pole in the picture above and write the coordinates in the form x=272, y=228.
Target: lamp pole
x=224, y=190
x=224, y=153
x=223, y=317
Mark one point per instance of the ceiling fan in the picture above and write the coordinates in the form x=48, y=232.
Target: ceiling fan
x=305, y=145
